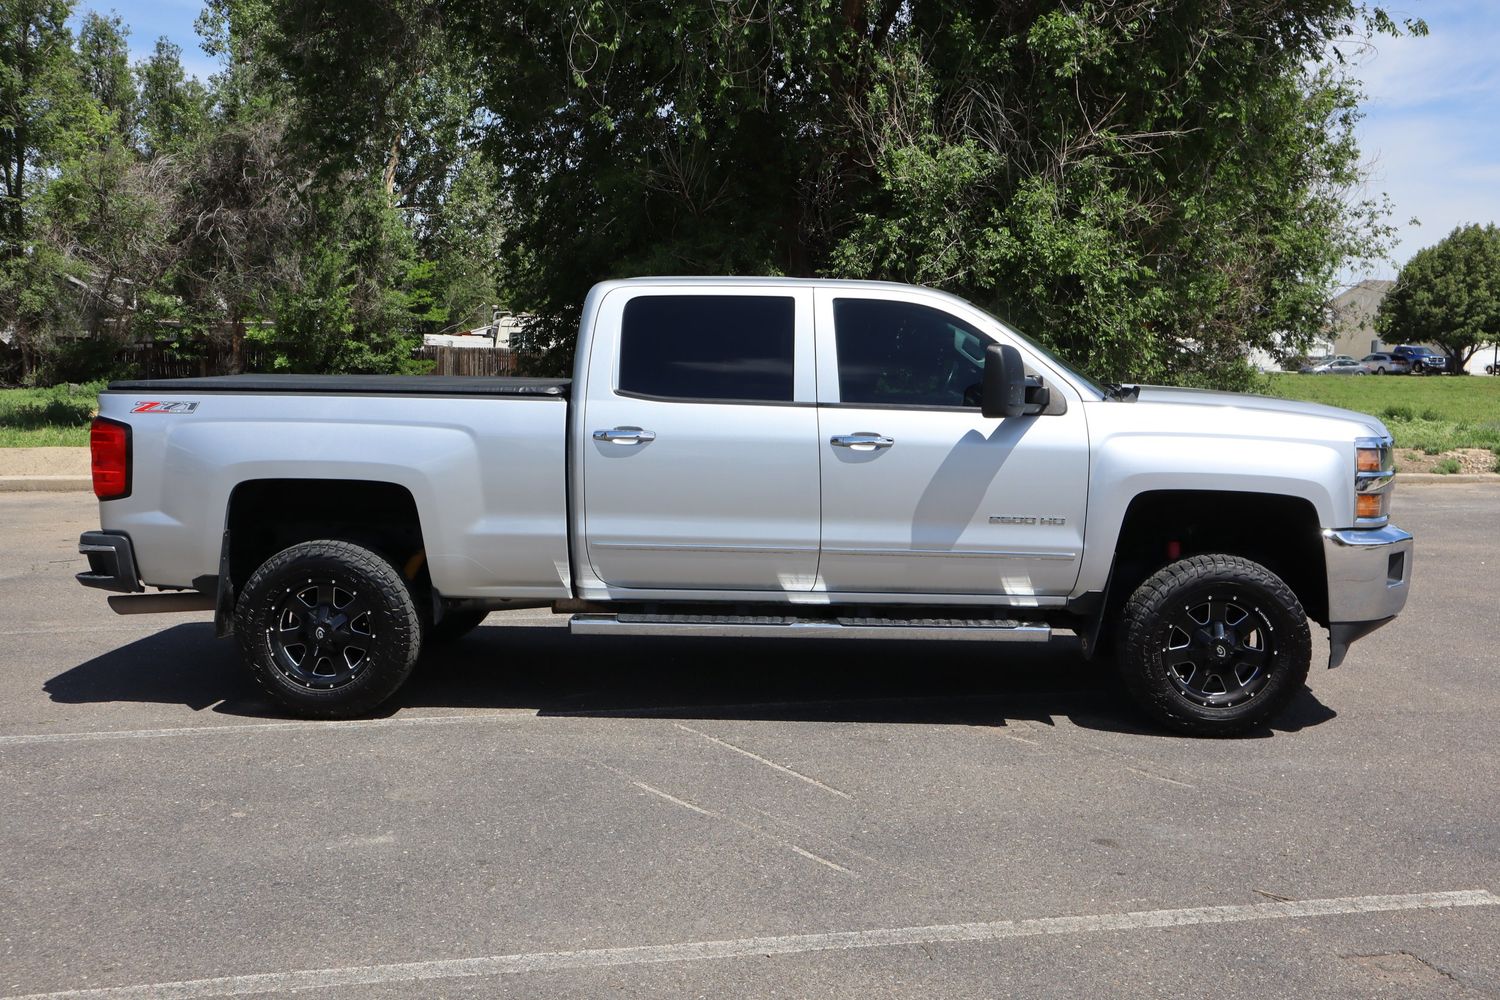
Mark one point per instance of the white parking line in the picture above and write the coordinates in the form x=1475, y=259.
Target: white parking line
x=791, y=944
x=316, y=726
x=759, y=759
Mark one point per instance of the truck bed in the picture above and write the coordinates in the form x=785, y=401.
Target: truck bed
x=363, y=385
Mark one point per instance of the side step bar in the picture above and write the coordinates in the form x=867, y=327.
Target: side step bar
x=759, y=626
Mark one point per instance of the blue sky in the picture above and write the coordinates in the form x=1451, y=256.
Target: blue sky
x=1430, y=135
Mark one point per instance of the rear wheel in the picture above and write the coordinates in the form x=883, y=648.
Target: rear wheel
x=1214, y=645
x=328, y=628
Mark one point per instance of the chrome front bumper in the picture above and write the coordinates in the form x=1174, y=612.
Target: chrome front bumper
x=1369, y=575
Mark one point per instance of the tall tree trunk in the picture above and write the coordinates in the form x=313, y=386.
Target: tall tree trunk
x=391, y=162
x=236, y=345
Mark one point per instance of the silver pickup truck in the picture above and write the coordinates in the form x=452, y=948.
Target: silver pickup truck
x=756, y=457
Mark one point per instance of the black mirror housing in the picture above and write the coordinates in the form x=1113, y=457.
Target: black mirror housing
x=1004, y=382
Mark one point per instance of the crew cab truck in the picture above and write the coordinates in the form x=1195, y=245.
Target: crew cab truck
x=756, y=457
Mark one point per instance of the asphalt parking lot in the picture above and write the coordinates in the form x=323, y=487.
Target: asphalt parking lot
x=541, y=815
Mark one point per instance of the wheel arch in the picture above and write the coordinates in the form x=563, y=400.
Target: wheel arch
x=1282, y=533
x=265, y=516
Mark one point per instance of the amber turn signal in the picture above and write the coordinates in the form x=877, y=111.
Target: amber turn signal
x=1369, y=460
x=1368, y=505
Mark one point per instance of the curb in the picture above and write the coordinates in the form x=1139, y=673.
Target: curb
x=1457, y=478
x=46, y=484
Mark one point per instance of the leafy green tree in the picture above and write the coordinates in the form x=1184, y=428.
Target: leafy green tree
x=1448, y=295
x=104, y=64
x=47, y=118
x=173, y=107
x=349, y=308
x=1150, y=186
x=38, y=84
x=243, y=210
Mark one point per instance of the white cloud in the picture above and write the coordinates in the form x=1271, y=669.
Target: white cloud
x=1429, y=134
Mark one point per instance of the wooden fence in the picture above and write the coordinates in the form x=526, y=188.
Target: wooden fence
x=171, y=361
x=474, y=361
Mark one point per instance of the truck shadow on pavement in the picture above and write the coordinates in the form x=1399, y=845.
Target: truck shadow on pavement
x=545, y=669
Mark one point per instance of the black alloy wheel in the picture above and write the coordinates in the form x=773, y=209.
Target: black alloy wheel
x=1218, y=653
x=323, y=633
x=1214, y=645
x=328, y=628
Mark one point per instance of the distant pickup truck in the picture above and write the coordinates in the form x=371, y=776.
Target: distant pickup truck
x=748, y=458
x=1423, y=360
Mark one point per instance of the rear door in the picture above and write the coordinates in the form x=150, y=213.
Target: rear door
x=700, y=451
x=922, y=494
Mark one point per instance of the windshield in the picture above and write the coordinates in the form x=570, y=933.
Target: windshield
x=1083, y=380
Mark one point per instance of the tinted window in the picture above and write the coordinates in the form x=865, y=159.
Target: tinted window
x=708, y=347
x=903, y=353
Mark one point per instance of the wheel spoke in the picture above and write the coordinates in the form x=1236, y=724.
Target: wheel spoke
x=323, y=633
x=1213, y=653
x=1251, y=657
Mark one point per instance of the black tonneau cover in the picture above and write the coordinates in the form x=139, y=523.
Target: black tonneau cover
x=368, y=385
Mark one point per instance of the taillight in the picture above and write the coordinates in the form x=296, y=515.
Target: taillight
x=109, y=452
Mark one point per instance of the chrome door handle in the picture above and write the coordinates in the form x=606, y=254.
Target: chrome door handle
x=625, y=435
x=861, y=441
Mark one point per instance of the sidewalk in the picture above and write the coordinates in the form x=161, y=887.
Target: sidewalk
x=47, y=469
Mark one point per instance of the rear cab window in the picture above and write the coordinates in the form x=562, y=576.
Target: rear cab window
x=708, y=348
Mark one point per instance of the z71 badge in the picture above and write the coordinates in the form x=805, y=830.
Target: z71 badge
x=156, y=406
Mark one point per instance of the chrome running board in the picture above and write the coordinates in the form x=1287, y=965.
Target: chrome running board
x=761, y=626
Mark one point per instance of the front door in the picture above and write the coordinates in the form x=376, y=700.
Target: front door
x=699, y=443
x=922, y=494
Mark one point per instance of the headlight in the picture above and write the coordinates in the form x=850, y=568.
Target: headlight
x=1374, y=480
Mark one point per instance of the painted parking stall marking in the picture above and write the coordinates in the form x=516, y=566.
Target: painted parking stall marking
x=791, y=944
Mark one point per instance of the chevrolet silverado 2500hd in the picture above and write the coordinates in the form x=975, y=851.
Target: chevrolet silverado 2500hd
x=756, y=457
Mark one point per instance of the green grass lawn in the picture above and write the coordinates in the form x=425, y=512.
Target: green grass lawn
x=40, y=418
x=1431, y=413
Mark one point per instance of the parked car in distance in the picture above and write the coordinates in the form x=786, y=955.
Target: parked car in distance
x=1385, y=364
x=1309, y=363
x=1423, y=360
x=1337, y=366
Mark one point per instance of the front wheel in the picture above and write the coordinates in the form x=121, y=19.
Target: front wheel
x=1214, y=645
x=328, y=628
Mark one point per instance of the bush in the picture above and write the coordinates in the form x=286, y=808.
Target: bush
x=59, y=406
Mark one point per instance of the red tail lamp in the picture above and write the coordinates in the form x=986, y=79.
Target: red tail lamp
x=109, y=454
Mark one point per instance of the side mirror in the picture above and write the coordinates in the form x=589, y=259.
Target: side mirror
x=1004, y=382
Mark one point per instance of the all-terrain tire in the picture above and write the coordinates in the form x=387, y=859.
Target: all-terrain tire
x=1214, y=645
x=328, y=629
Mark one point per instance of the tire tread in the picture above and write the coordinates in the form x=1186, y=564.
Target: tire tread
x=406, y=621
x=1140, y=614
